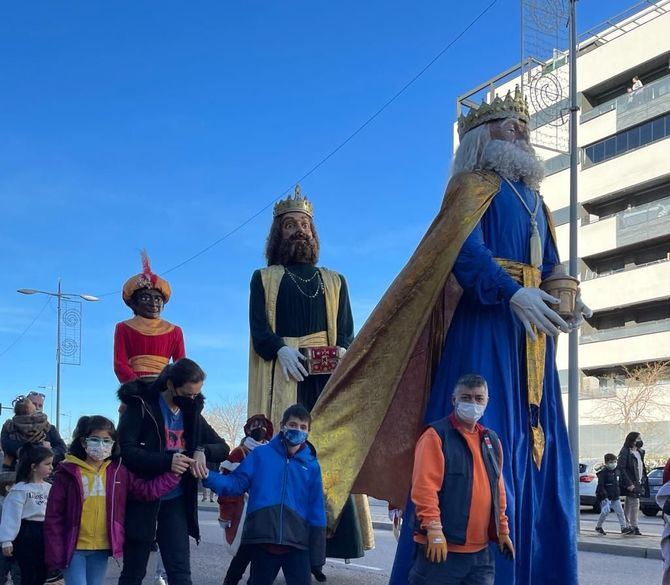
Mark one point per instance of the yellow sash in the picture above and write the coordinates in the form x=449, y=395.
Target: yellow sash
x=529, y=276
x=269, y=392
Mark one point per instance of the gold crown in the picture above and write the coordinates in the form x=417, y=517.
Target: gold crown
x=498, y=109
x=297, y=203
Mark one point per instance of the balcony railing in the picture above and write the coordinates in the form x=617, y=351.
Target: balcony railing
x=588, y=274
x=632, y=108
x=595, y=335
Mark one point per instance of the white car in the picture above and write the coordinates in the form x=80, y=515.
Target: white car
x=588, y=482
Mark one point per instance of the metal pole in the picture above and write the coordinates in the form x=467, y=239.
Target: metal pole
x=573, y=363
x=60, y=296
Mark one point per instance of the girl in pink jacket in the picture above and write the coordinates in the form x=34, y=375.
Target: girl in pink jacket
x=85, y=514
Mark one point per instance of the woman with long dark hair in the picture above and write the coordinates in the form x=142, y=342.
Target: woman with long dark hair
x=633, y=474
x=162, y=428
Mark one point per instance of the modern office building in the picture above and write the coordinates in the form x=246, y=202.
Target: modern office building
x=624, y=222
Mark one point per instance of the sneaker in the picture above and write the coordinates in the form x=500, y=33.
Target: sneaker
x=600, y=530
x=626, y=530
x=636, y=531
x=159, y=580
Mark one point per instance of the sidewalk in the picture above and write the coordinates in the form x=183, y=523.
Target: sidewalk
x=646, y=547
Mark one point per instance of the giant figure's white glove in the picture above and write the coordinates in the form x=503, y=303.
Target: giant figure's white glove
x=289, y=360
x=529, y=306
x=581, y=311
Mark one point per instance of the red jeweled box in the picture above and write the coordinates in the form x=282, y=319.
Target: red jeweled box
x=320, y=360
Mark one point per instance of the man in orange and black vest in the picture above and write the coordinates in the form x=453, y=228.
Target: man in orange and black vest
x=459, y=494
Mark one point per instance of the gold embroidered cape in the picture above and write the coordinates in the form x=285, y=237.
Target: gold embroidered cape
x=369, y=415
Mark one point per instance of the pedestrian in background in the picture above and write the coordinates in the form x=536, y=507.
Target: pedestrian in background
x=8, y=565
x=608, y=494
x=633, y=476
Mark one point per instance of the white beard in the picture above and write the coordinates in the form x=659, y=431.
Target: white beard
x=513, y=162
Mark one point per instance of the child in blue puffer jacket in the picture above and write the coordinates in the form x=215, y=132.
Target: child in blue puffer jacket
x=286, y=515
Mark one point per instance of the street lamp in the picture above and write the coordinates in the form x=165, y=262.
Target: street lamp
x=51, y=402
x=60, y=295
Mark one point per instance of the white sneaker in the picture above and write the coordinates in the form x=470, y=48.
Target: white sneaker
x=159, y=580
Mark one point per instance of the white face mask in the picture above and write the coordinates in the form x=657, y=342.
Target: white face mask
x=470, y=412
x=98, y=450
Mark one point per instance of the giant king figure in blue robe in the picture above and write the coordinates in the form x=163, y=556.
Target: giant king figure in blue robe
x=468, y=301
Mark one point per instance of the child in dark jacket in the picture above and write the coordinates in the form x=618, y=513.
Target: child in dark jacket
x=608, y=494
x=85, y=514
x=286, y=516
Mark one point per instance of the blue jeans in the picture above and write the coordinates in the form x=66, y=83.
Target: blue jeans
x=87, y=567
x=459, y=569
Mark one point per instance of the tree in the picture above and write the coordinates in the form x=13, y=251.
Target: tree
x=639, y=396
x=228, y=419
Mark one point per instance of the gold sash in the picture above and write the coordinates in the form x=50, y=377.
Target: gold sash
x=530, y=277
x=148, y=363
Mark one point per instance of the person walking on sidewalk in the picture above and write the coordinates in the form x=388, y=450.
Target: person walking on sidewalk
x=459, y=494
x=633, y=475
x=608, y=494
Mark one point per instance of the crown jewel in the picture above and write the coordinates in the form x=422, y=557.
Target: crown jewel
x=511, y=107
x=298, y=202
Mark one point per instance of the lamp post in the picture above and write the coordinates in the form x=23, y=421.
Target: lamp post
x=51, y=402
x=60, y=295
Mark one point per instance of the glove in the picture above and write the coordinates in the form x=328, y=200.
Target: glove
x=289, y=360
x=529, y=306
x=436, y=548
x=581, y=311
x=318, y=574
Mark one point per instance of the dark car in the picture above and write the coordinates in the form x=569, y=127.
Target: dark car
x=648, y=503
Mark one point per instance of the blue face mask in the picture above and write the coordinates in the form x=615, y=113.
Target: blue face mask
x=295, y=437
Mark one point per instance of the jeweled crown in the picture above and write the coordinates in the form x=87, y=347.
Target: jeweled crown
x=297, y=202
x=510, y=107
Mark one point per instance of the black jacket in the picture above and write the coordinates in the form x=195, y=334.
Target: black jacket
x=142, y=441
x=627, y=464
x=609, y=484
x=11, y=446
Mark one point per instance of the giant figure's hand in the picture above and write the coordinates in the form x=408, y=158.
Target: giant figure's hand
x=530, y=307
x=289, y=360
x=580, y=313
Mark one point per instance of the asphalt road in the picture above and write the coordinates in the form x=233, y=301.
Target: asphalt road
x=209, y=561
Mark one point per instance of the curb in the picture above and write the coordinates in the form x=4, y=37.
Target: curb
x=642, y=552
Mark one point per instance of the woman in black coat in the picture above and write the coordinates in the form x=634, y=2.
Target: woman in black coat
x=633, y=477
x=162, y=428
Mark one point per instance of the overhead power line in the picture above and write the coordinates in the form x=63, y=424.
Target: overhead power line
x=335, y=150
x=20, y=336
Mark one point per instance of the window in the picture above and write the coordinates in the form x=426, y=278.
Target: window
x=626, y=141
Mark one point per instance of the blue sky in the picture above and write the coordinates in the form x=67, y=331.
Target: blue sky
x=163, y=125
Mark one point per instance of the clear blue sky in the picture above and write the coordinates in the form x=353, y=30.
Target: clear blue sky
x=162, y=125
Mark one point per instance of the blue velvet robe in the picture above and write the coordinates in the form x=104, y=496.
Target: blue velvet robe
x=486, y=338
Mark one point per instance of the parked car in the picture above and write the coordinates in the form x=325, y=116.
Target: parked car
x=648, y=503
x=588, y=482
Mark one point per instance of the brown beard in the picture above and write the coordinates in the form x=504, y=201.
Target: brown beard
x=280, y=251
x=298, y=250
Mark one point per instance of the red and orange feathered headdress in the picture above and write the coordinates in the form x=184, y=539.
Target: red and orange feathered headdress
x=146, y=279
